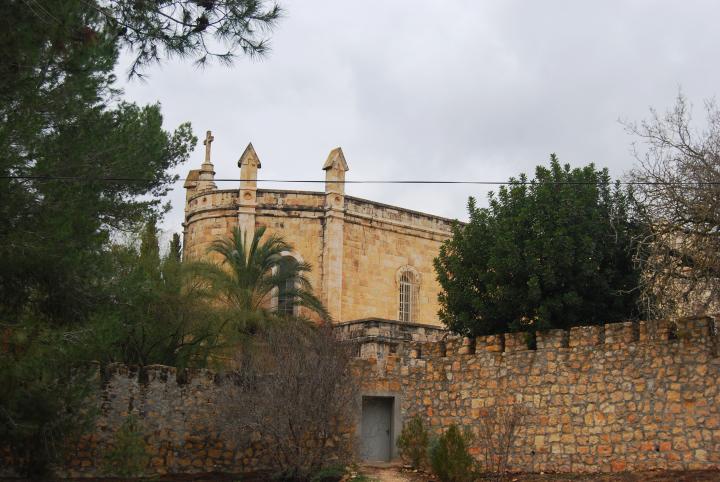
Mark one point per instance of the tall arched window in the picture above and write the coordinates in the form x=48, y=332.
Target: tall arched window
x=286, y=302
x=409, y=286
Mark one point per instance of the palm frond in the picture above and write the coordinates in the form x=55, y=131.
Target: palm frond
x=249, y=274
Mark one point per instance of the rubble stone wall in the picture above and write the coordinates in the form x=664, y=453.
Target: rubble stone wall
x=180, y=418
x=624, y=396
x=618, y=397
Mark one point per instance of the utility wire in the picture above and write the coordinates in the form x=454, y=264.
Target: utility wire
x=395, y=181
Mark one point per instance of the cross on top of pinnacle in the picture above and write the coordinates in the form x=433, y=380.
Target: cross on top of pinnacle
x=208, y=140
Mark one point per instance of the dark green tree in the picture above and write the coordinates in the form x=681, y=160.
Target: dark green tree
x=159, y=313
x=77, y=166
x=552, y=252
x=175, y=248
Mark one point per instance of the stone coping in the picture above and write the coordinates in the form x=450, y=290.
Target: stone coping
x=318, y=193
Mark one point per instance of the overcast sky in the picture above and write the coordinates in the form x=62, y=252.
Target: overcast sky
x=442, y=90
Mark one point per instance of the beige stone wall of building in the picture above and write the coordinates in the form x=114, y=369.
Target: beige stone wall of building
x=376, y=247
x=355, y=246
x=297, y=217
x=209, y=216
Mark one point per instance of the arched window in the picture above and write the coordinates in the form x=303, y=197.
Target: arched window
x=408, y=280
x=286, y=302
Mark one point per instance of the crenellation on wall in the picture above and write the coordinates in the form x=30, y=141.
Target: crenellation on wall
x=178, y=415
x=491, y=343
x=451, y=345
x=702, y=328
x=552, y=339
x=656, y=330
x=582, y=336
x=468, y=346
x=515, y=342
x=623, y=332
x=628, y=404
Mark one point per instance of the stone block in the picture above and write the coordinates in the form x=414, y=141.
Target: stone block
x=467, y=347
x=492, y=343
x=655, y=331
x=552, y=339
x=515, y=342
x=624, y=332
x=452, y=345
x=693, y=328
x=581, y=336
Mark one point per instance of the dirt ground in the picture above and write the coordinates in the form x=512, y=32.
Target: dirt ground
x=395, y=473
x=398, y=474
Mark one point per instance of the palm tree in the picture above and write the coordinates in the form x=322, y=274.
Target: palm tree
x=252, y=272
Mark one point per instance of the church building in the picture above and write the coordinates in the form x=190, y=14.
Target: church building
x=372, y=264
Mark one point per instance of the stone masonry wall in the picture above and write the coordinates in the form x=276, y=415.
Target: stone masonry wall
x=374, y=243
x=624, y=396
x=179, y=416
x=599, y=398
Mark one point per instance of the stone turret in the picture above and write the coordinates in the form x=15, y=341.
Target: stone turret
x=249, y=164
x=206, y=175
x=335, y=167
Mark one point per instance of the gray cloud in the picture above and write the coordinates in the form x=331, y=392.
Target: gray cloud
x=456, y=89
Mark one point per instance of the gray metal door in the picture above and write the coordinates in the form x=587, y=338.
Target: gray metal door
x=376, y=428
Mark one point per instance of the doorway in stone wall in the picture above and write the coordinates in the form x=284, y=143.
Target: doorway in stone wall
x=376, y=429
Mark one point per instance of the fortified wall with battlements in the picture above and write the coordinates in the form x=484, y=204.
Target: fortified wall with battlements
x=623, y=396
x=618, y=397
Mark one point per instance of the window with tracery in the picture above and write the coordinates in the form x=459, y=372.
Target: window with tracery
x=409, y=285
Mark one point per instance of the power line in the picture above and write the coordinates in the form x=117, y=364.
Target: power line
x=368, y=181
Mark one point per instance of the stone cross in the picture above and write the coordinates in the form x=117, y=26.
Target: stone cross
x=208, y=140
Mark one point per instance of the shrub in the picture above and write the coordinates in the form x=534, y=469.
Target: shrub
x=128, y=457
x=498, y=429
x=293, y=386
x=413, y=442
x=449, y=456
x=329, y=474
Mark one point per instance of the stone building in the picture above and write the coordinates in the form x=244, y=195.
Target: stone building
x=372, y=264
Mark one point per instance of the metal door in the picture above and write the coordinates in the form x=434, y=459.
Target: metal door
x=376, y=428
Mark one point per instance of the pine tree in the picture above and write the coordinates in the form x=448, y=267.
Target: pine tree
x=65, y=133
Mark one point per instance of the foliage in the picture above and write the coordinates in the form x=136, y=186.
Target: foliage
x=203, y=29
x=552, y=252
x=44, y=398
x=498, y=430
x=449, y=456
x=332, y=473
x=413, y=442
x=59, y=117
x=128, y=456
x=248, y=276
x=678, y=179
x=292, y=385
x=158, y=313
x=65, y=134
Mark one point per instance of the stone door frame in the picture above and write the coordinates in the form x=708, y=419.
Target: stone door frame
x=395, y=420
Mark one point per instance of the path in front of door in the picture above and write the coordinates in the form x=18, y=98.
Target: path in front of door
x=390, y=472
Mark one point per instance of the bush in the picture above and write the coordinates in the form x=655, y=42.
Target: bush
x=293, y=386
x=498, y=429
x=128, y=457
x=413, y=442
x=449, y=456
x=329, y=474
